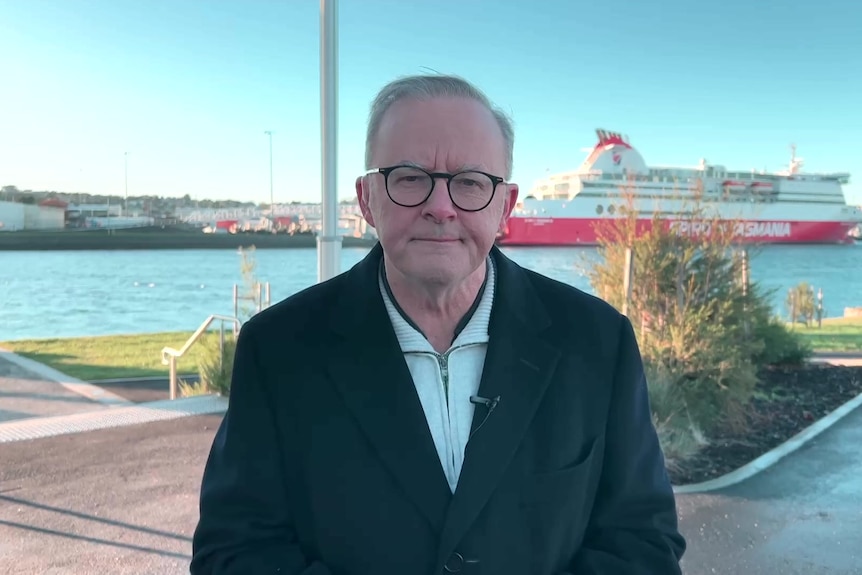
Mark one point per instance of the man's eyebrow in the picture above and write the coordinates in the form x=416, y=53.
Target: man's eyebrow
x=471, y=168
x=411, y=164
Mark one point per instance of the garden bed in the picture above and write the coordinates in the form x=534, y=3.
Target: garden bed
x=787, y=400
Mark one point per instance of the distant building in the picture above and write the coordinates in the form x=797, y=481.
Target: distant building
x=94, y=210
x=15, y=217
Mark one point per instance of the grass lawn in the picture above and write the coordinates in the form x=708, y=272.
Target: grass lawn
x=837, y=334
x=110, y=357
x=118, y=356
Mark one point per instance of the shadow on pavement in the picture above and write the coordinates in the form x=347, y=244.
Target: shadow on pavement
x=87, y=517
x=129, y=546
x=142, y=390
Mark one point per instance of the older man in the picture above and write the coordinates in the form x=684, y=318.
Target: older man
x=437, y=408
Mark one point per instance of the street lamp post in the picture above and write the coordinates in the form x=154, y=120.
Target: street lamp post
x=271, y=197
x=126, y=176
x=328, y=241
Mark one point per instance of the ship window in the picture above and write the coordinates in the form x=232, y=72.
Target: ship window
x=611, y=209
x=599, y=209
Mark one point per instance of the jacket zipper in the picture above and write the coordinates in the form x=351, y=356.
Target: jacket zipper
x=443, y=362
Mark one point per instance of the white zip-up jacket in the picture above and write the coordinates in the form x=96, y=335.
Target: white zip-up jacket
x=445, y=382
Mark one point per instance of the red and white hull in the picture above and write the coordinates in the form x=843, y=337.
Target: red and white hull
x=544, y=232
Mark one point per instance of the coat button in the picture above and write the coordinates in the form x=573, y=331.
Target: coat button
x=454, y=563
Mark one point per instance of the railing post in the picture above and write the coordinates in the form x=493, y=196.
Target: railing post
x=820, y=307
x=628, y=269
x=235, y=301
x=221, y=344
x=173, y=376
x=170, y=355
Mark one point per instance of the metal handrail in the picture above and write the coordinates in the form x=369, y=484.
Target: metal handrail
x=170, y=355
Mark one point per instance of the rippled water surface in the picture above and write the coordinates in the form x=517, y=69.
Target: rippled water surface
x=60, y=294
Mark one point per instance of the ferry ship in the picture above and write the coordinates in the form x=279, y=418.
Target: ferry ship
x=790, y=206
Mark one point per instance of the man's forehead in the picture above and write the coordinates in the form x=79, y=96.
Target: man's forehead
x=419, y=109
x=458, y=133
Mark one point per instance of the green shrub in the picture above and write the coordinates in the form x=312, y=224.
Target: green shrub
x=189, y=389
x=781, y=346
x=679, y=435
x=216, y=365
x=704, y=332
x=800, y=304
x=689, y=308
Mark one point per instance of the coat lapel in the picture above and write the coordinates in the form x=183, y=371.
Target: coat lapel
x=369, y=371
x=518, y=367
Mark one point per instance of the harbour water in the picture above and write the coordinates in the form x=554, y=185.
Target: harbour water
x=81, y=293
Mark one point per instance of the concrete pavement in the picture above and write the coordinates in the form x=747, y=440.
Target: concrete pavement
x=849, y=359
x=31, y=389
x=37, y=401
x=120, y=500
x=25, y=394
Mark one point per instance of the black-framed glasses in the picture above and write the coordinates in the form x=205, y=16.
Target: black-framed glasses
x=409, y=186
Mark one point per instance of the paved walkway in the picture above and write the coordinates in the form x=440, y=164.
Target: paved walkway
x=850, y=359
x=25, y=394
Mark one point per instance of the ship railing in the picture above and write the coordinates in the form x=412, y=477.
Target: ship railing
x=171, y=355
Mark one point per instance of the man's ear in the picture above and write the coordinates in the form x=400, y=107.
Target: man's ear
x=363, y=196
x=508, y=205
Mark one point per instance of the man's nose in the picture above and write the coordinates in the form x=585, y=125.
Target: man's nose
x=439, y=205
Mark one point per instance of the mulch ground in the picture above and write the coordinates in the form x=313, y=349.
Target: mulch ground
x=788, y=400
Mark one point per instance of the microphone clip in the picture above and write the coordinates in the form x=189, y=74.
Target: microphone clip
x=489, y=403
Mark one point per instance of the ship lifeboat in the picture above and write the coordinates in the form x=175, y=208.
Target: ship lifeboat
x=762, y=187
x=733, y=186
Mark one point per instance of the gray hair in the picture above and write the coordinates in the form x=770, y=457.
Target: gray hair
x=435, y=86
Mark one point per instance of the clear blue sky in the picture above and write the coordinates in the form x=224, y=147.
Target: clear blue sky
x=187, y=87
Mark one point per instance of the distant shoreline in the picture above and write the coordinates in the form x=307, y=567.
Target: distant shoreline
x=159, y=239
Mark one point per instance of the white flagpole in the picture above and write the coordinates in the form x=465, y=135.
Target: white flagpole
x=328, y=241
